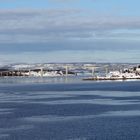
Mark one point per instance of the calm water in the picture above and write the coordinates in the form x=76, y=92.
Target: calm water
x=67, y=109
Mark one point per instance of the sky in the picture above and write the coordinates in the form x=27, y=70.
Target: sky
x=38, y=31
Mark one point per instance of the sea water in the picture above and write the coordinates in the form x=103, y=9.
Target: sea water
x=69, y=109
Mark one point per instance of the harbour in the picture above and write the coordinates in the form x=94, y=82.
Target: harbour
x=69, y=70
x=95, y=72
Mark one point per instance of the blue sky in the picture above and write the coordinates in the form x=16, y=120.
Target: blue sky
x=78, y=30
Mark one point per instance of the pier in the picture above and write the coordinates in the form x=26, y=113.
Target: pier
x=109, y=78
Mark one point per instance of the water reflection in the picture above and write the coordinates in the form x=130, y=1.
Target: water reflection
x=64, y=79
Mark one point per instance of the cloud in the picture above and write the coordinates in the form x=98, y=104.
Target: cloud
x=41, y=25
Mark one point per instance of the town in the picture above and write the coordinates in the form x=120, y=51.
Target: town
x=92, y=71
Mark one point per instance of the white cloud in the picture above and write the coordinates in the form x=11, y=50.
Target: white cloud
x=34, y=25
